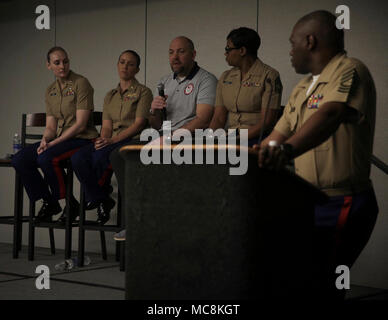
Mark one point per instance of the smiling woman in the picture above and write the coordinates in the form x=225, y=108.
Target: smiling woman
x=69, y=103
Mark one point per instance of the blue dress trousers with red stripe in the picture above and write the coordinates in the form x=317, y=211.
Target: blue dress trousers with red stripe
x=343, y=227
x=94, y=171
x=51, y=185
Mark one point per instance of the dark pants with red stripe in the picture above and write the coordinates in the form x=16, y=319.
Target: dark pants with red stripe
x=52, y=186
x=342, y=229
x=94, y=171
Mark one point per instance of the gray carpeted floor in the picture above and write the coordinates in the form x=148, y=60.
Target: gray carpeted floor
x=101, y=280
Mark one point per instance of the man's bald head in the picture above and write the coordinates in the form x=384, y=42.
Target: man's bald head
x=189, y=42
x=315, y=39
x=322, y=25
x=181, y=55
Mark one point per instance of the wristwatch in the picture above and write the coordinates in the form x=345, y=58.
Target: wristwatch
x=152, y=111
x=288, y=150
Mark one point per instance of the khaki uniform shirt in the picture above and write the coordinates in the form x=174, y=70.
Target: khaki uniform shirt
x=77, y=94
x=341, y=164
x=246, y=99
x=123, y=108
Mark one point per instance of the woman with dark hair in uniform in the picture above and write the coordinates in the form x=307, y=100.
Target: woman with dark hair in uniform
x=125, y=115
x=69, y=104
x=248, y=90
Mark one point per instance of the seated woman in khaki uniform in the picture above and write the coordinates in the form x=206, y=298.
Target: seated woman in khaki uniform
x=248, y=90
x=125, y=113
x=69, y=104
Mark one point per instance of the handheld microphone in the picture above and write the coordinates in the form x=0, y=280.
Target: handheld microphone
x=160, y=88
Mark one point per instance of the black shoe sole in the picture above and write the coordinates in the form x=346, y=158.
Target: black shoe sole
x=45, y=219
x=102, y=222
x=73, y=216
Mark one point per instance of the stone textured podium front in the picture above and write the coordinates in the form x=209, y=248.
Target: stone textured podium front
x=196, y=232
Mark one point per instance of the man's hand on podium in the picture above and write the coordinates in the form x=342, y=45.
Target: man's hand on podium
x=273, y=156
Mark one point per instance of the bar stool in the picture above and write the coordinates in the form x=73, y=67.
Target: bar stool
x=91, y=225
x=68, y=226
x=17, y=219
x=37, y=120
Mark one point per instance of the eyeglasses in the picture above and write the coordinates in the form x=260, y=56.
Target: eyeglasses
x=228, y=49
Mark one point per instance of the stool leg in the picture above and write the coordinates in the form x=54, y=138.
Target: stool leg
x=81, y=235
x=120, y=221
x=20, y=212
x=117, y=251
x=17, y=222
x=68, y=226
x=103, y=245
x=122, y=256
x=31, y=231
x=52, y=241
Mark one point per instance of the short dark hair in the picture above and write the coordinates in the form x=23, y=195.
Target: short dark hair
x=331, y=35
x=245, y=37
x=135, y=54
x=53, y=49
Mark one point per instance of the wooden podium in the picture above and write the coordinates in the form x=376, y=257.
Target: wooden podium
x=197, y=232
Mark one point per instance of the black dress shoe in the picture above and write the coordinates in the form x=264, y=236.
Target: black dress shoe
x=103, y=210
x=108, y=189
x=47, y=211
x=74, y=212
x=91, y=205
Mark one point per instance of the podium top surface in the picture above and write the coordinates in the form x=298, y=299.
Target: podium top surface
x=129, y=151
x=134, y=148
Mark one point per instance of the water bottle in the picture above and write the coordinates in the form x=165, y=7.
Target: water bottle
x=69, y=264
x=17, y=144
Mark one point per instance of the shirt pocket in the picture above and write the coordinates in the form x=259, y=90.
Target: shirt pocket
x=69, y=112
x=293, y=119
x=251, y=97
x=69, y=101
x=129, y=110
x=324, y=146
x=258, y=99
x=117, y=126
x=54, y=105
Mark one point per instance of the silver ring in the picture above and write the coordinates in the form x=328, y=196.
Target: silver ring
x=273, y=143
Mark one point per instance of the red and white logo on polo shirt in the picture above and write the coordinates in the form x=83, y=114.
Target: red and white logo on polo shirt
x=189, y=89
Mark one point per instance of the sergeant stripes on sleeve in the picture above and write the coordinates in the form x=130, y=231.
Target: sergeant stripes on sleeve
x=346, y=81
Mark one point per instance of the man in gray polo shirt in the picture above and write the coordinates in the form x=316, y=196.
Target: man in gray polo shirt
x=189, y=91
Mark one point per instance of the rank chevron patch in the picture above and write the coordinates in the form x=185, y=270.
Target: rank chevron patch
x=346, y=81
